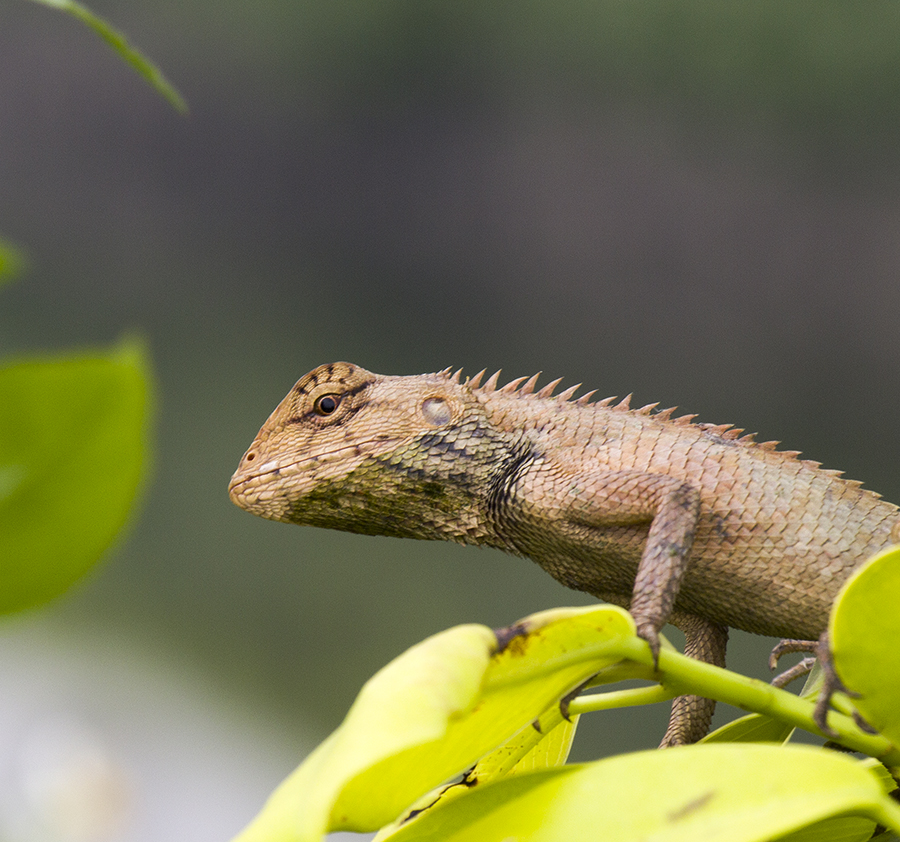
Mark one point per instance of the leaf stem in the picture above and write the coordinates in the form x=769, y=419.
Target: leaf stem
x=681, y=674
x=620, y=699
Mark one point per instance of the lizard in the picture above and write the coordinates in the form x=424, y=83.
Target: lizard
x=679, y=521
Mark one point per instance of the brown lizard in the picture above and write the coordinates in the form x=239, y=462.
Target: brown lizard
x=681, y=522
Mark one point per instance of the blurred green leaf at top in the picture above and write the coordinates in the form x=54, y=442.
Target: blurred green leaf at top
x=120, y=44
x=73, y=450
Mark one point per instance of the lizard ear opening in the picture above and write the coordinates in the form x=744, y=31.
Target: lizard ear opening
x=436, y=411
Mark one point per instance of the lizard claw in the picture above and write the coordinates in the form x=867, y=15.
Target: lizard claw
x=788, y=646
x=832, y=684
x=566, y=700
x=649, y=633
x=803, y=667
x=800, y=669
x=820, y=714
x=861, y=723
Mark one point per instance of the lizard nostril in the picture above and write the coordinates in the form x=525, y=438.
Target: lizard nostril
x=250, y=456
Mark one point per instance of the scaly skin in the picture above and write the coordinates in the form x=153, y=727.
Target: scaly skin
x=681, y=522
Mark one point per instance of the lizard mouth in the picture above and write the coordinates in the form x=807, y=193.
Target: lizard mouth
x=261, y=474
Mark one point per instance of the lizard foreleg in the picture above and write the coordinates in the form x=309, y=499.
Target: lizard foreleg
x=672, y=508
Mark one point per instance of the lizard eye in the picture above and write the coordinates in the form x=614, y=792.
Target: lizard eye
x=326, y=404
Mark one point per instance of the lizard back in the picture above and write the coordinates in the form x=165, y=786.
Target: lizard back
x=776, y=537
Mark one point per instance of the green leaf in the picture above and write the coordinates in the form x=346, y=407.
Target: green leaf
x=73, y=434
x=718, y=793
x=434, y=712
x=120, y=44
x=12, y=261
x=544, y=746
x=753, y=728
x=865, y=641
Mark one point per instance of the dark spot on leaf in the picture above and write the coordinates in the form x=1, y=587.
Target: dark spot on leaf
x=508, y=634
x=692, y=806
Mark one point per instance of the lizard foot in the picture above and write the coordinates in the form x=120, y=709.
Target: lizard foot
x=831, y=685
x=789, y=647
x=817, y=649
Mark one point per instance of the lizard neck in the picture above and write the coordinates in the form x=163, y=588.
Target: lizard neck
x=450, y=484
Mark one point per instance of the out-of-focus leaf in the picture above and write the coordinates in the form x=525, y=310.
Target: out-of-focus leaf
x=12, y=261
x=73, y=445
x=865, y=641
x=434, y=712
x=718, y=793
x=844, y=829
x=120, y=44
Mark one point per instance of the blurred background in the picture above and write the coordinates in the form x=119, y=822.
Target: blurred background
x=694, y=202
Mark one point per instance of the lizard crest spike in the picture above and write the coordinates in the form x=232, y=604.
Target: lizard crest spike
x=568, y=394
x=491, y=385
x=511, y=387
x=547, y=391
x=475, y=382
x=529, y=384
x=693, y=523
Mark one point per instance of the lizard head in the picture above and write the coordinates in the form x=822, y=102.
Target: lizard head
x=362, y=452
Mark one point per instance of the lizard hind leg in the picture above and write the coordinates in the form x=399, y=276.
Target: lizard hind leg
x=691, y=715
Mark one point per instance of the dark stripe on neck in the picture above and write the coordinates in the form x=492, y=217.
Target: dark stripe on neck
x=504, y=481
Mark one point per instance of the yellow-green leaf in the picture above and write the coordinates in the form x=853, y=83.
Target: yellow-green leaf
x=717, y=793
x=73, y=444
x=544, y=746
x=434, y=712
x=865, y=641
